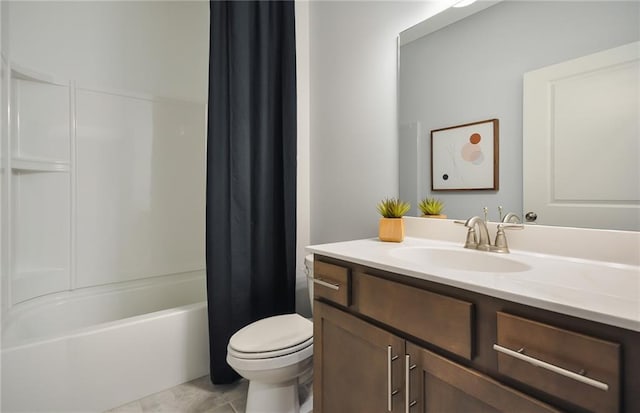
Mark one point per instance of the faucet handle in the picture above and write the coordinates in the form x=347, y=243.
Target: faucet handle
x=511, y=218
x=472, y=238
x=501, y=241
x=500, y=244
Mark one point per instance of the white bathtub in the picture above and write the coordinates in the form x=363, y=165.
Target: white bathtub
x=100, y=348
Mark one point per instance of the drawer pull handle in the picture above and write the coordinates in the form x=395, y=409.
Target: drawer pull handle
x=551, y=367
x=326, y=284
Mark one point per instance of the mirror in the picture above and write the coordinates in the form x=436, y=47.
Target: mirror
x=456, y=69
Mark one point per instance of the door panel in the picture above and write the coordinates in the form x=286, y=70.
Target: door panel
x=581, y=141
x=355, y=377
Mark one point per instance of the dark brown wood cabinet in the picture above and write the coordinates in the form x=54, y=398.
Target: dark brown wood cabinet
x=595, y=361
x=448, y=324
x=363, y=368
x=440, y=385
x=358, y=366
x=391, y=343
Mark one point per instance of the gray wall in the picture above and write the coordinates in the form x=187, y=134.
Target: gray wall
x=472, y=71
x=353, y=106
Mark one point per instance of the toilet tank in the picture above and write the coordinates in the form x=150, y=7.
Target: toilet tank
x=308, y=263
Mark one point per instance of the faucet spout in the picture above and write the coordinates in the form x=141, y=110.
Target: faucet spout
x=483, y=241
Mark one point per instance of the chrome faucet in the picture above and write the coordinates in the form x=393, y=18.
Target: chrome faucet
x=482, y=242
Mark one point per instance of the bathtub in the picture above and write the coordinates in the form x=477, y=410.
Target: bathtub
x=92, y=350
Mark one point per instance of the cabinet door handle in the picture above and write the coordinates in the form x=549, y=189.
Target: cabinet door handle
x=326, y=284
x=407, y=387
x=551, y=367
x=390, y=391
x=389, y=381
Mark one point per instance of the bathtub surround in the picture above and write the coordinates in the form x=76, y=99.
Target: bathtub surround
x=251, y=170
x=103, y=201
x=103, y=156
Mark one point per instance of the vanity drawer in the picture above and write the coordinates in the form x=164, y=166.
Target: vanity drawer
x=332, y=282
x=583, y=370
x=443, y=321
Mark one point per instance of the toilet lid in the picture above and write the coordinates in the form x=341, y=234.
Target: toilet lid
x=272, y=334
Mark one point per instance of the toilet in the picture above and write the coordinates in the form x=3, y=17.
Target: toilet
x=276, y=355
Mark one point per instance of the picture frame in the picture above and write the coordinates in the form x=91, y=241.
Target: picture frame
x=465, y=157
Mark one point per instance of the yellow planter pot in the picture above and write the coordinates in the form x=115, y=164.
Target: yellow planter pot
x=441, y=216
x=391, y=229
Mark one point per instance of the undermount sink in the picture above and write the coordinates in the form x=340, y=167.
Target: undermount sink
x=462, y=259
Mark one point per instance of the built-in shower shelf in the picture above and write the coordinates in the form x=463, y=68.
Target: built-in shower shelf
x=24, y=73
x=39, y=165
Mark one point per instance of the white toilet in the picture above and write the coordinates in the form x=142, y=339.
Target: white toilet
x=276, y=355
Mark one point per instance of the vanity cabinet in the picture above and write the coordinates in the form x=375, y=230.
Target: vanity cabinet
x=449, y=325
x=437, y=384
x=585, y=370
x=358, y=367
x=385, y=342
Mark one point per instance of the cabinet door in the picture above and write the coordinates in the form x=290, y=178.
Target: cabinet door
x=357, y=367
x=438, y=385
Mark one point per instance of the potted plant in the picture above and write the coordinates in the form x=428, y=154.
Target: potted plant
x=391, y=226
x=431, y=208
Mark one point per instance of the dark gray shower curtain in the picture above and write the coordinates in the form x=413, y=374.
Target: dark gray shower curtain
x=251, y=169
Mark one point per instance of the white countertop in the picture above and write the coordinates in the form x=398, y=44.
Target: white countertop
x=600, y=291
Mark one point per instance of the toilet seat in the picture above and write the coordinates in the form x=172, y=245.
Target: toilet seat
x=271, y=337
x=263, y=364
x=270, y=354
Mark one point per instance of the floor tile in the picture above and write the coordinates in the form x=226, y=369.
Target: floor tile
x=133, y=407
x=196, y=396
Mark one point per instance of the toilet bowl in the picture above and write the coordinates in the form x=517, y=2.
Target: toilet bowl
x=276, y=355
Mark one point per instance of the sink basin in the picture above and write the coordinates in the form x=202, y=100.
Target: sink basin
x=462, y=259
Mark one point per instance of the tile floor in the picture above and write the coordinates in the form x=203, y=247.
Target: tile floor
x=196, y=396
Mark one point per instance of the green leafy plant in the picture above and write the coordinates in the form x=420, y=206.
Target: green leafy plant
x=431, y=206
x=393, y=208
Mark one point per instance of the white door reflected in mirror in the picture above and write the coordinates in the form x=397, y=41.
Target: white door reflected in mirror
x=579, y=115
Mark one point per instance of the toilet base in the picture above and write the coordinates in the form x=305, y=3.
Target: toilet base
x=273, y=397
x=307, y=406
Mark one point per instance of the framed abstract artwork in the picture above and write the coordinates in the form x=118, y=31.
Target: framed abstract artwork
x=465, y=157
